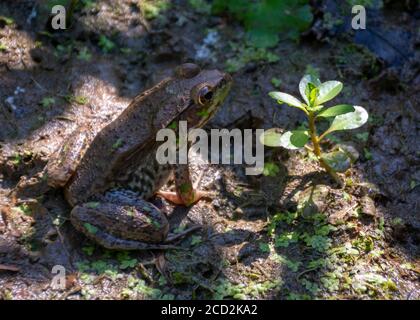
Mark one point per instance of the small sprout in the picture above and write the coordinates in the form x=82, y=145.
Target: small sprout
x=128, y=263
x=106, y=44
x=3, y=47
x=179, y=229
x=88, y=250
x=344, y=117
x=201, y=6
x=77, y=99
x=151, y=9
x=413, y=184
x=47, y=102
x=292, y=265
x=17, y=159
x=276, y=82
x=196, y=240
x=311, y=70
x=117, y=144
x=363, y=136
x=284, y=240
x=84, y=54
x=25, y=209
x=264, y=247
x=397, y=222
x=270, y=169
x=367, y=154
x=100, y=266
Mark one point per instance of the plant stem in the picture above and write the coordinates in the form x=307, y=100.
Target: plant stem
x=312, y=132
x=317, y=149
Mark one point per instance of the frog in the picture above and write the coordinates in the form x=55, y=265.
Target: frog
x=109, y=177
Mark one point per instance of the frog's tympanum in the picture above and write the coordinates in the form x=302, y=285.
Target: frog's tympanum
x=108, y=178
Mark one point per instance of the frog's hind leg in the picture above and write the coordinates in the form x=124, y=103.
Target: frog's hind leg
x=112, y=242
x=120, y=220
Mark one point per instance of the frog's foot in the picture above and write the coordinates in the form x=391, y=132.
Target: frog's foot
x=30, y=187
x=175, y=198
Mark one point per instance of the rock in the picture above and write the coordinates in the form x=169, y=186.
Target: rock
x=313, y=199
x=368, y=206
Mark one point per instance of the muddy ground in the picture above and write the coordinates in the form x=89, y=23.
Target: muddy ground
x=291, y=235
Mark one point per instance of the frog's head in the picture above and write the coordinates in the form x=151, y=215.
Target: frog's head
x=205, y=91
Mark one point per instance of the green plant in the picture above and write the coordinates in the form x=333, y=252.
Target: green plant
x=270, y=169
x=77, y=99
x=264, y=20
x=152, y=8
x=3, y=47
x=106, y=44
x=345, y=117
x=84, y=54
x=246, y=54
x=47, y=102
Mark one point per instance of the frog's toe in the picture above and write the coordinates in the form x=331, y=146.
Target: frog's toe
x=175, y=198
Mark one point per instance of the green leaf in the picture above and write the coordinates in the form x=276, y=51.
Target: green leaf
x=276, y=82
x=271, y=138
x=106, y=44
x=264, y=247
x=338, y=160
x=286, y=98
x=47, y=101
x=270, y=169
x=351, y=120
x=129, y=263
x=299, y=138
x=262, y=38
x=303, y=85
x=294, y=139
x=328, y=90
x=336, y=110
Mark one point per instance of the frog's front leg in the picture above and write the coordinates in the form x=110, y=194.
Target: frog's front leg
x=186, y=192
x=65, y=160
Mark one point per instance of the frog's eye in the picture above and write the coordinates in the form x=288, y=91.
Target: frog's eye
x=204, y=95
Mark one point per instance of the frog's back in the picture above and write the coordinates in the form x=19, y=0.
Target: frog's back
x=127, y=137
